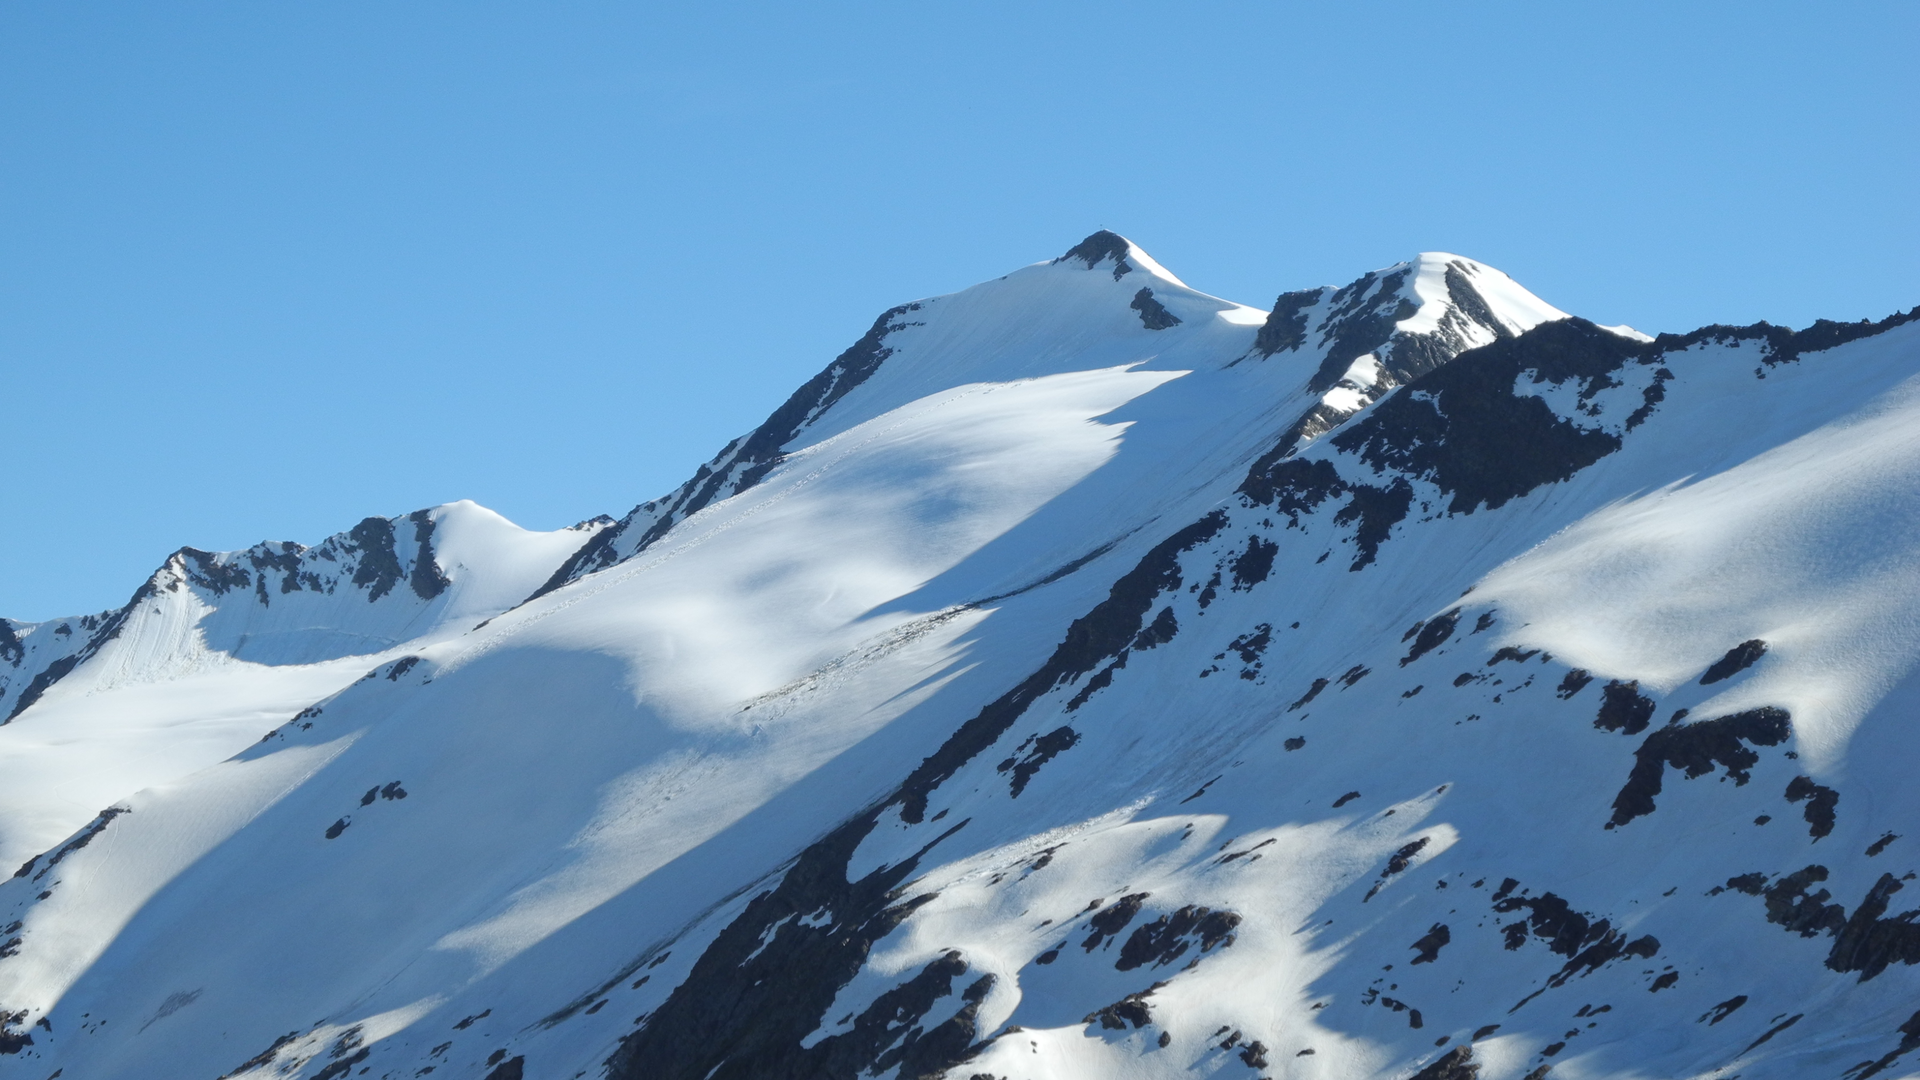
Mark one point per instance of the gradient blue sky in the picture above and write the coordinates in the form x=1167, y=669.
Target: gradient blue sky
x=268, y=268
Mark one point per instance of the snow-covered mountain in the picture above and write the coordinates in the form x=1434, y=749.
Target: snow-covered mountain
x=1082, y=676
x=214, y=649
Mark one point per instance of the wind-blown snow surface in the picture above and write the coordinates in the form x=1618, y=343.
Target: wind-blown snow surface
x=1082, y=677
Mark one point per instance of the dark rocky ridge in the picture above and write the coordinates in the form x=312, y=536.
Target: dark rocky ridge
x=1459, y=427
x=744, y=462
x=1785, y=346
x=1463, y=429
x=1103, y=634
x=1360, y=321
x=1286, y=327
x=108, y=629
x=731, y=1018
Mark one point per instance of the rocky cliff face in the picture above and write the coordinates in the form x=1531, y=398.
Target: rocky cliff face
x=1082, y=676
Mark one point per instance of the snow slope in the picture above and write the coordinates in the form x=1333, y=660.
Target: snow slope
x=217, y=649
x=1082, y=676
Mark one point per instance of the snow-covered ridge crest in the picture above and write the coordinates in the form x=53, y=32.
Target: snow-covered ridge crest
x=216, y=647
x=1378, y=332
x=358, y=592
x=1105, y=298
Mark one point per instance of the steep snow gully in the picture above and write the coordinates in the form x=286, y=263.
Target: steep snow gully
x=1081, y=677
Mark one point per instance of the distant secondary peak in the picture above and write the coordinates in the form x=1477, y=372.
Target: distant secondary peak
x=1099, y=248
x=1481, y=294
x=1410, y=318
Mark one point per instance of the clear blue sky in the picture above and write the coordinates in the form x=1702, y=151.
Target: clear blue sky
x=268, y=268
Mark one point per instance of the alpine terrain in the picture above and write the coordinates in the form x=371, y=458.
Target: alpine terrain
x=1081, y=677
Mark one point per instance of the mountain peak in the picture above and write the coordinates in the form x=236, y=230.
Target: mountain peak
x=1100, y=247
x=1431, y=308
x=1106, y=247
x=1442, y=280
